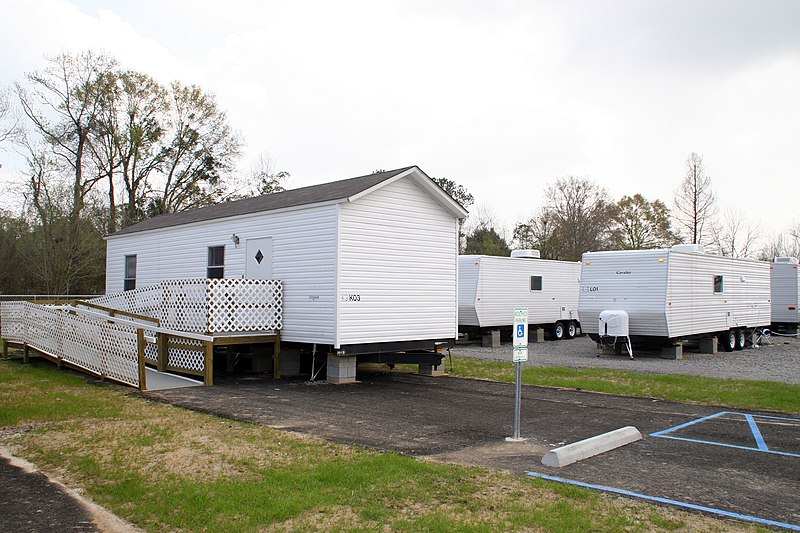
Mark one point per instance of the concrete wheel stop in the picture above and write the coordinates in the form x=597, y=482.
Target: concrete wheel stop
x=571, y=453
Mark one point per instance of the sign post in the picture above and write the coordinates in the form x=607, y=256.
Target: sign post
x=520, y=355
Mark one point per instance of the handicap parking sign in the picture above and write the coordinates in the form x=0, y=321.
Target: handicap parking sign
x=520, y=327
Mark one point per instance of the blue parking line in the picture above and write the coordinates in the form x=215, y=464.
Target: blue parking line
x=751, y=421
x=687, y=424
x=658, y=499
x=700, y=441
x=756, y=433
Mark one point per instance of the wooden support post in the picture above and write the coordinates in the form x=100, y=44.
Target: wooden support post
x=26, y=351
x=163, y=351
x=276, y=357
x=208, y=375
x=5, y=350
x=141, y=344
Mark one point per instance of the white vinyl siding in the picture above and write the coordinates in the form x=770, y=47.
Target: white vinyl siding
x=635, y=282
x=693, y=306
x=785, y=293
x=494, y=286
x=398, y=272
x=304, y=242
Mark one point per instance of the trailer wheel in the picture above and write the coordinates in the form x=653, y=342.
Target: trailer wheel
x=728, y=341
x=741, y=339
x=558, y=331
x=572, y=329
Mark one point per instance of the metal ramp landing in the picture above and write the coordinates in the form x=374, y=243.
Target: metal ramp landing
x=164, y=380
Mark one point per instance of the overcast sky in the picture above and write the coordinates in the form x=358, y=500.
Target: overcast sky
x=502, y=97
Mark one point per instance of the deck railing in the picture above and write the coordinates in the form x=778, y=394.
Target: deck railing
x=206, y=305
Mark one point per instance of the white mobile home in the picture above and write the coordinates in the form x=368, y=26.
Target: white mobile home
x=672, y=294
x=363, y=262
x=785, y=276
x=490, y=287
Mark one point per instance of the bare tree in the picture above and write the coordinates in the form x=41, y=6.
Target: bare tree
x=694, y=202
x=735, y=235
x=9, y=124
x=63, y=103
x=785, y=244
x=265, y=178
x=538, y=233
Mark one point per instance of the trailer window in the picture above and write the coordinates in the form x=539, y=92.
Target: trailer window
x=129, y=282
x=536, y=283
x=717, y=284
x=216, y=262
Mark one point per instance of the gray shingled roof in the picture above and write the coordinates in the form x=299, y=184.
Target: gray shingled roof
x=314, y=194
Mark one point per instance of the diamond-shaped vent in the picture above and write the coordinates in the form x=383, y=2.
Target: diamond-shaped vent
x=259, y=257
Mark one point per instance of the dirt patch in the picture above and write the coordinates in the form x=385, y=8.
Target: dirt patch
x=490, y=453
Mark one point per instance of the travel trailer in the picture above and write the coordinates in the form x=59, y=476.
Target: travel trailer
x=659, y=297
x=490, y=287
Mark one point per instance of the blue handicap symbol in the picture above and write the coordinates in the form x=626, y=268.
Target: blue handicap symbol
x=520, y=330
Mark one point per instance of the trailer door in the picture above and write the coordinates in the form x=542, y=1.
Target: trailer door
x=259, y=258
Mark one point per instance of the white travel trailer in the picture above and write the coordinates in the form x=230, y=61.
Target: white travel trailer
x=673, y=294
x=785, y=276
x=490, y=287
x=368, y=265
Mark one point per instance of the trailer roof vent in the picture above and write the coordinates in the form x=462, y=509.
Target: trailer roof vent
x=792, y=260
x=690, y=248
x=527, y=254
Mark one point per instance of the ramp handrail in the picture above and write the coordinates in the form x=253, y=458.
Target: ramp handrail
x=113, y=312
x=129, y=322
x=112, y=347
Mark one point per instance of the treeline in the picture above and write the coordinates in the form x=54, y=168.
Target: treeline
x=105, y=148
x=579, y=215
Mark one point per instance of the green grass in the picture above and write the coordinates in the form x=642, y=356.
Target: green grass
x=31, y=393
x=737, y=393
x=165, y=468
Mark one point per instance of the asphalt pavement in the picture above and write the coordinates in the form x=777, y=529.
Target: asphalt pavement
x=29, y=501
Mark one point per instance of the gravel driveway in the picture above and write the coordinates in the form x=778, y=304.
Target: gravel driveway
x=778, y=361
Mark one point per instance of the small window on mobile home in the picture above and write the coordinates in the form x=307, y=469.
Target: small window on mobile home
x=130, y=273
x=216, y=262
x=717, y=284
x=536, y=283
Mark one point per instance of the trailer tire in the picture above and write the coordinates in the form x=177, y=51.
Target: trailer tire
x=741, y=339
x=728, y=340
x=558, y=331
x=572, y=329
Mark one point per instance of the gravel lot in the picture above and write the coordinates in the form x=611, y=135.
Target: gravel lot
x=778, y=361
